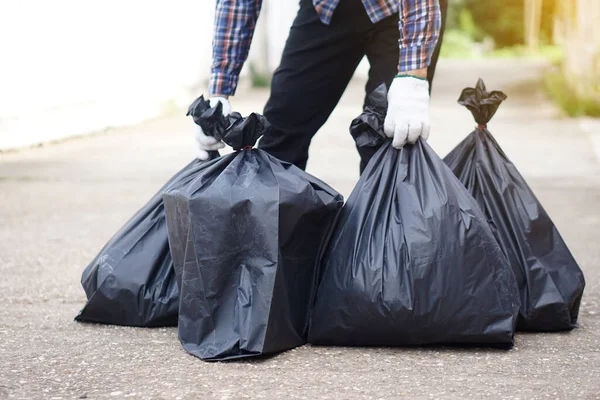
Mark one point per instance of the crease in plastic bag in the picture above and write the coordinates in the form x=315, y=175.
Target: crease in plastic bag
x=412, y=259
x=550, y=282
x=246, y=235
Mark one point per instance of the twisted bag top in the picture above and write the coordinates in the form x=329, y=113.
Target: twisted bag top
x=482, y=104
x=238, y=132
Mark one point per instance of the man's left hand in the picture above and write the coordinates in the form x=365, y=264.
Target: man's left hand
x=407, y=116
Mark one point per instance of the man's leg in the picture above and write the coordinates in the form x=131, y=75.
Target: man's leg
x=317, y=63
x=383, y=53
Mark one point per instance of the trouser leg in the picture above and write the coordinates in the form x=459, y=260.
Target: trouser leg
x=383, y=53
x=317, y=64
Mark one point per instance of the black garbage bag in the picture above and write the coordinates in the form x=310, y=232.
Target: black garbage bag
x=549, y=280
x=131, y=281
x=246, y=234
x=412, y=259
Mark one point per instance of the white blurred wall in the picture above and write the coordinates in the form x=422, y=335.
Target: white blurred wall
x=71, y=67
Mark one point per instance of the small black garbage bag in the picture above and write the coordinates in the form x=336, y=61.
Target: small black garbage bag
x=412, y=259
x=549, y=280
x=131, y=281
x=246, y=234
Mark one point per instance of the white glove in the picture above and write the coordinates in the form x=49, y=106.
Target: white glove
x=407, y=116
x=203, y=144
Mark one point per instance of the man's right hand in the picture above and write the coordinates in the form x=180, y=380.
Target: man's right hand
x=203, y=144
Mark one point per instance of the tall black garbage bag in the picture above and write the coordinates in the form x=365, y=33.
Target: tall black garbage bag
x=412, y=259
x=246, y=234
x=131, y=281
x=549, y=280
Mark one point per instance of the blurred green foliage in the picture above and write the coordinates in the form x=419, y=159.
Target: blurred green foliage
x=572, y=104
x=471, y=23
x=259, y=80
x=461, y=32
x=500, y=20
x=503, y=22
x=467, y=24
x=457, y=44
x=553, y=53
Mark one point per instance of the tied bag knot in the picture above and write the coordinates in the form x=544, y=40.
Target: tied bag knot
x=482, y=104
x=238, y=132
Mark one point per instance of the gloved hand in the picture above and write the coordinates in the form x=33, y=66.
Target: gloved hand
x=203, y=144
x=407, y=116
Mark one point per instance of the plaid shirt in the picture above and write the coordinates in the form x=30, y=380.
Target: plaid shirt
x=419, y=25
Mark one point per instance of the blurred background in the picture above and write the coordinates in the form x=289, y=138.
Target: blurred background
x=75, y=67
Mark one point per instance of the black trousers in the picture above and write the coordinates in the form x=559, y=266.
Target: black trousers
x=317, y=64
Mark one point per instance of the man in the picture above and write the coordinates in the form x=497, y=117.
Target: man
x=326, y=42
